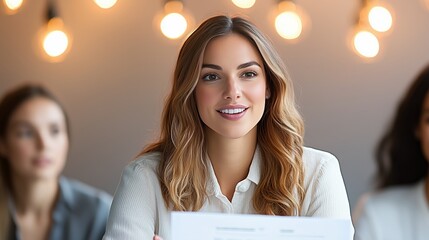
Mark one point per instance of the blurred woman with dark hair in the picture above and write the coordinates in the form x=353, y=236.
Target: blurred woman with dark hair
x=399, y=209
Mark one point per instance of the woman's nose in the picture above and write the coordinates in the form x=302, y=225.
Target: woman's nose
x=232, y=89
x=42, y=141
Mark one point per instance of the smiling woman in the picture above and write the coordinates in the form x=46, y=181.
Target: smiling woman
x=231, y=141
x=233, y=83
x=36, y=202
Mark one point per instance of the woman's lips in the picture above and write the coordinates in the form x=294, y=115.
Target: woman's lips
x=42, y=162
x=233, y=113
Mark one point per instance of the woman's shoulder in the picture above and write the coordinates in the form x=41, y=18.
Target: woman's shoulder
x=146, y=162
x=325, y=193
x=320, y=167
x=315, y=159
x=391, y=197
x=313, y=154
x=86, y=207
x=75, y=193
x=388, y=208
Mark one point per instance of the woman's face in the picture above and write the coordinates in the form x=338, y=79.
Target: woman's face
x=423, y=128
x=231, y=91
x=36, y=141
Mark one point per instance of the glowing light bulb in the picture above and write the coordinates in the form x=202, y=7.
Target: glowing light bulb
x=366, y=44
x=55, y=43
x=174, y=20
x=55, y=40
x=173, y=25
x=13, y=5
x=380, y=19
x=105, y=3
x=288, y=25
x=244, y=3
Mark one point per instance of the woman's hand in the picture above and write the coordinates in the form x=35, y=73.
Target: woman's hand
x=156, y=237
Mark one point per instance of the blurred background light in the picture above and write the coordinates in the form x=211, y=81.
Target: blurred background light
x=244, y=3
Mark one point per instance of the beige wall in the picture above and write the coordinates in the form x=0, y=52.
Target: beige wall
x=114, y=80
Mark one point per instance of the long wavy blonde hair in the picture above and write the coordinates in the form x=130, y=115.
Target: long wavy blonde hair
x=183, y=169
x=8, y=105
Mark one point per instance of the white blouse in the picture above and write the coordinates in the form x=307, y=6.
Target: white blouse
x=397, y=213
x=138, y=210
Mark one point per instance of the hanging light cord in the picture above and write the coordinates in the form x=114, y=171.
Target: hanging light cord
x=51, y=10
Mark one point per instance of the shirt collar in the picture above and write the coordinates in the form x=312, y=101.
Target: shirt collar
x=65, y=198
x=254, y=175
x=255, y=167
x=64, y=202
x=212, y=185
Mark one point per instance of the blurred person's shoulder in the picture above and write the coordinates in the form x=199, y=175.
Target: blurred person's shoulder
x=393, y=197
x=392, y=203
x=76, y=193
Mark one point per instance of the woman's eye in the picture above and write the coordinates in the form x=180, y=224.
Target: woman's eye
x=249, y=74
x=210, y=77
x=55, y=131
x=25, y=133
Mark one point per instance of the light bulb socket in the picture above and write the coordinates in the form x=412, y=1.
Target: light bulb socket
x=51, y=11
x=173, y=6
x=287, y=5
x=364, y=4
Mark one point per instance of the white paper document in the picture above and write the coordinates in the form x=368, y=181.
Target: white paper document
x=218, y=226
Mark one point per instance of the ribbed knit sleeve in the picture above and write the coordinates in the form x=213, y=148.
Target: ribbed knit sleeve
x=133, y=211
x=325, y=194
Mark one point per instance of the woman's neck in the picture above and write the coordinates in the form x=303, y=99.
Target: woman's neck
x=231, y=159
x=34, y=196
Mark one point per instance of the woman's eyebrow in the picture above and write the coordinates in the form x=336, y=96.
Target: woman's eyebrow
x=248, y=64
x=206, y=65
x=241, y=66
x=19, y=123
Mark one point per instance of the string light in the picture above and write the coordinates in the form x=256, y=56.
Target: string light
x=379, y=16
x=244, y=3
x=173, y=25
x=288, y=25
x=289, y=22
x=12, y=6
x=55, y=40
x=105, y=3
x=366, y=44
x=175, y=21
x=373, y=16
x=380, y=19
